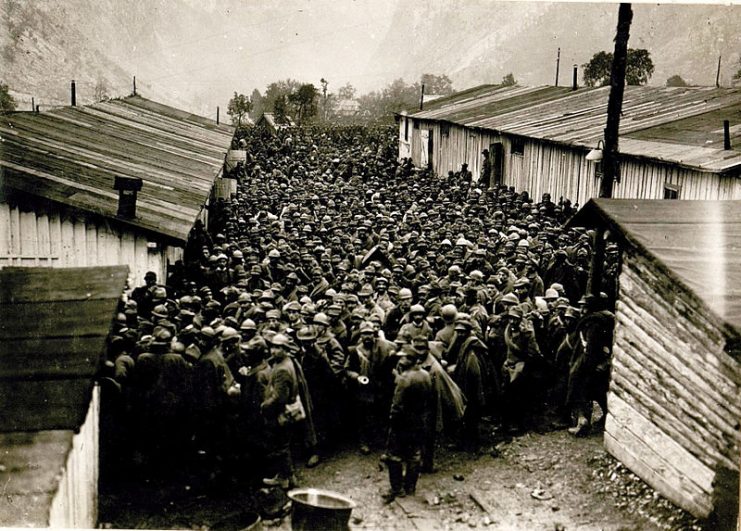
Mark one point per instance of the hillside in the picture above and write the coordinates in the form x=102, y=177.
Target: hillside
x=195, y=53
x=44, y=45
x=481, y=42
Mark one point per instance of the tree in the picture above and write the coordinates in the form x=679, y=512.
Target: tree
x=239, y=106
x=737, y=75
x=509, y=80
x=280, y=109
x=437, y=84
x=397, y=96
x=258, y=105
x=304, y=102
x=7, y=102
x=100, y=92
x=346, y=92
x=676, y=81
x=639, y=69
x=277, y=89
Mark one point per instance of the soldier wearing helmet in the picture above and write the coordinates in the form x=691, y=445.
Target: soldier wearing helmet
x=417, y=325
x=213, y=379
x=368, y=375
x=468, y=364
x=282, y=390
x=324, y=389
x=328, y=345
x=395, y=317
x=408, y=426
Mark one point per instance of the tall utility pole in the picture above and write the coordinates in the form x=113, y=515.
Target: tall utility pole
x=558, y=64
x=717, y=75
x=610, y=164
x=324, y=83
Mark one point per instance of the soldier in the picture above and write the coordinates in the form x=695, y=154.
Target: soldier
x=213, y=379
x=323, y=387
x=397, y=314
x=282, y=391
x=446, y=334
x=589, y=371
x=418, y=326
x=408, y=420
x=367, y=376
x=466, y=363
x=523, y=356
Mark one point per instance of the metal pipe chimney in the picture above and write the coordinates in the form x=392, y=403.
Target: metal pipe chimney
x=73, y=93
x=726, y=134
x=575, y=82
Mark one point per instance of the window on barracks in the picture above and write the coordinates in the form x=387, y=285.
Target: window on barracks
x=517, y=146
x=671, y=191
x=444, y=129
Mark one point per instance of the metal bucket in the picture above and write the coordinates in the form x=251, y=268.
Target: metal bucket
x=317, y=509
x=239, y=521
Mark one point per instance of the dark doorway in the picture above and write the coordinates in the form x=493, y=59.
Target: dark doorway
x=430, y=150
x=496, y=153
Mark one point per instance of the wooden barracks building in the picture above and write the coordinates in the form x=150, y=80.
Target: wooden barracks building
x=119, y=182
x=672, y=141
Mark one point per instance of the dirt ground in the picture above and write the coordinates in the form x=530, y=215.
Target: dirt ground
x=548, y=481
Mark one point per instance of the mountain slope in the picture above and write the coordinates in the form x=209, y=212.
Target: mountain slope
x=482, y=41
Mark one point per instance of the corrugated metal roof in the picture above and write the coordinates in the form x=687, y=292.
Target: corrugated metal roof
x=72, y=155
x=578, y=118
x=53, y=326
x=699, y=243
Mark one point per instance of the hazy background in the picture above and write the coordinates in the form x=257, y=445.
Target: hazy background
x=196, y=53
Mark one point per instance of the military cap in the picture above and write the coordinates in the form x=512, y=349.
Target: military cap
x=476, y=275
x=367, y=327
x=463, y=322
x=248, y=324
x=229, y=334
x=551, y=294
x=510, y=298
x=280, y=340
x=405, y=293
x=306, y=333
x=321, y=318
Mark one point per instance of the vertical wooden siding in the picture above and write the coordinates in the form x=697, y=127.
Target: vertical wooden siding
x=675, y=394
x=562, y=170
x=50, y=238
x=75, y=504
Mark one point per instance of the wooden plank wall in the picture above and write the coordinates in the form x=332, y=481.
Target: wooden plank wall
x=47, y=237
x=561, y=170
x=675, y=394
x=75, y=504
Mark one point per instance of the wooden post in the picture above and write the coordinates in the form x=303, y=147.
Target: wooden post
x=598, y=261
x=134, y=86
x=726, y=135
x=217, y=115
x=33, y=104
x=73, y=93
x=558, y=63
x=717, y=74
x=575, y=81
x=615, y=103
x=422, y=98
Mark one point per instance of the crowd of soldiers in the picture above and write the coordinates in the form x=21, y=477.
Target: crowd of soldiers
x=345, y=297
